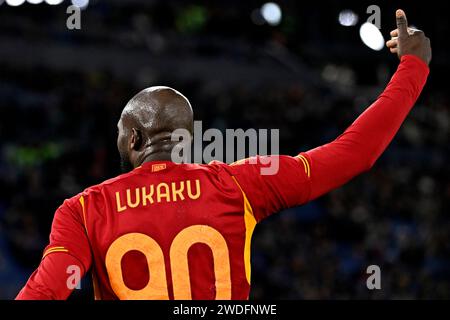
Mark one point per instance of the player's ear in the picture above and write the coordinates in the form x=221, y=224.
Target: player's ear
x=136, y=139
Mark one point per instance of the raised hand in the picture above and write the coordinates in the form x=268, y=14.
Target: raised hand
x=405, y=40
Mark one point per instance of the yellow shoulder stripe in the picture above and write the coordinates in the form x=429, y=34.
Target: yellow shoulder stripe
x=84, y=212
x=305, y=164
x=54, y=249
x=250, y=224
x=238, y=162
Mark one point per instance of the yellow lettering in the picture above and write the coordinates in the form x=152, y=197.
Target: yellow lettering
x=137, y=200
x=197, y=186
x=177, y=192
x=120, y=208
x=147, y=196
x=161, y=194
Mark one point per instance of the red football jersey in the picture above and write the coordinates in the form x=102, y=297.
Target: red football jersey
x=176, y=231
x=184, y=231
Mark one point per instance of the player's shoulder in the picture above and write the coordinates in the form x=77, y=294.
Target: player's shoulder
x=254, y=161
x=147, y=168
x=214, y=167
x=267, y=165
x=247, y=165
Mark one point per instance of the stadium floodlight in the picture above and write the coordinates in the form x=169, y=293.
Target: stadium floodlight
x=15, y=3
x=271, y=12
x=348, y=18
x=54, y=2
x=371, y=36
x=35, y=1
x=80, y=3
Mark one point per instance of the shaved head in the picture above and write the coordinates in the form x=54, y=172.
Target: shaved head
x=147, y=122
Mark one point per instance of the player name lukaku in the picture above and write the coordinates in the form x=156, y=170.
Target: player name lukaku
x=161, y=192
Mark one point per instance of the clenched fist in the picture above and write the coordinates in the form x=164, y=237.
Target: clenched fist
x=406, y=40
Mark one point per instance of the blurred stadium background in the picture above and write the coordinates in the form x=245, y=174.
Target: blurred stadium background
x=294, y=65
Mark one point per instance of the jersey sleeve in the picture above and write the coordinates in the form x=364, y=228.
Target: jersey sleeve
x=50, y=280
x=291, y=181
x=273, y=183
x=68, y=247
x=68, y=233
x=358, y=148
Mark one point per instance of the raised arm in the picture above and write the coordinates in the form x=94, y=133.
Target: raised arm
x=315, y=172
x=357, y=149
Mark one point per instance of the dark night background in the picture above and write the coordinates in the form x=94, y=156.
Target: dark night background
x=62, y=91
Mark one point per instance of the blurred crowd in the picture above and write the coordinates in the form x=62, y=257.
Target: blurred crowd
x=58, y=136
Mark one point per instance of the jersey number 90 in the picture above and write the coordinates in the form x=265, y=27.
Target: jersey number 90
x=156, y=287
